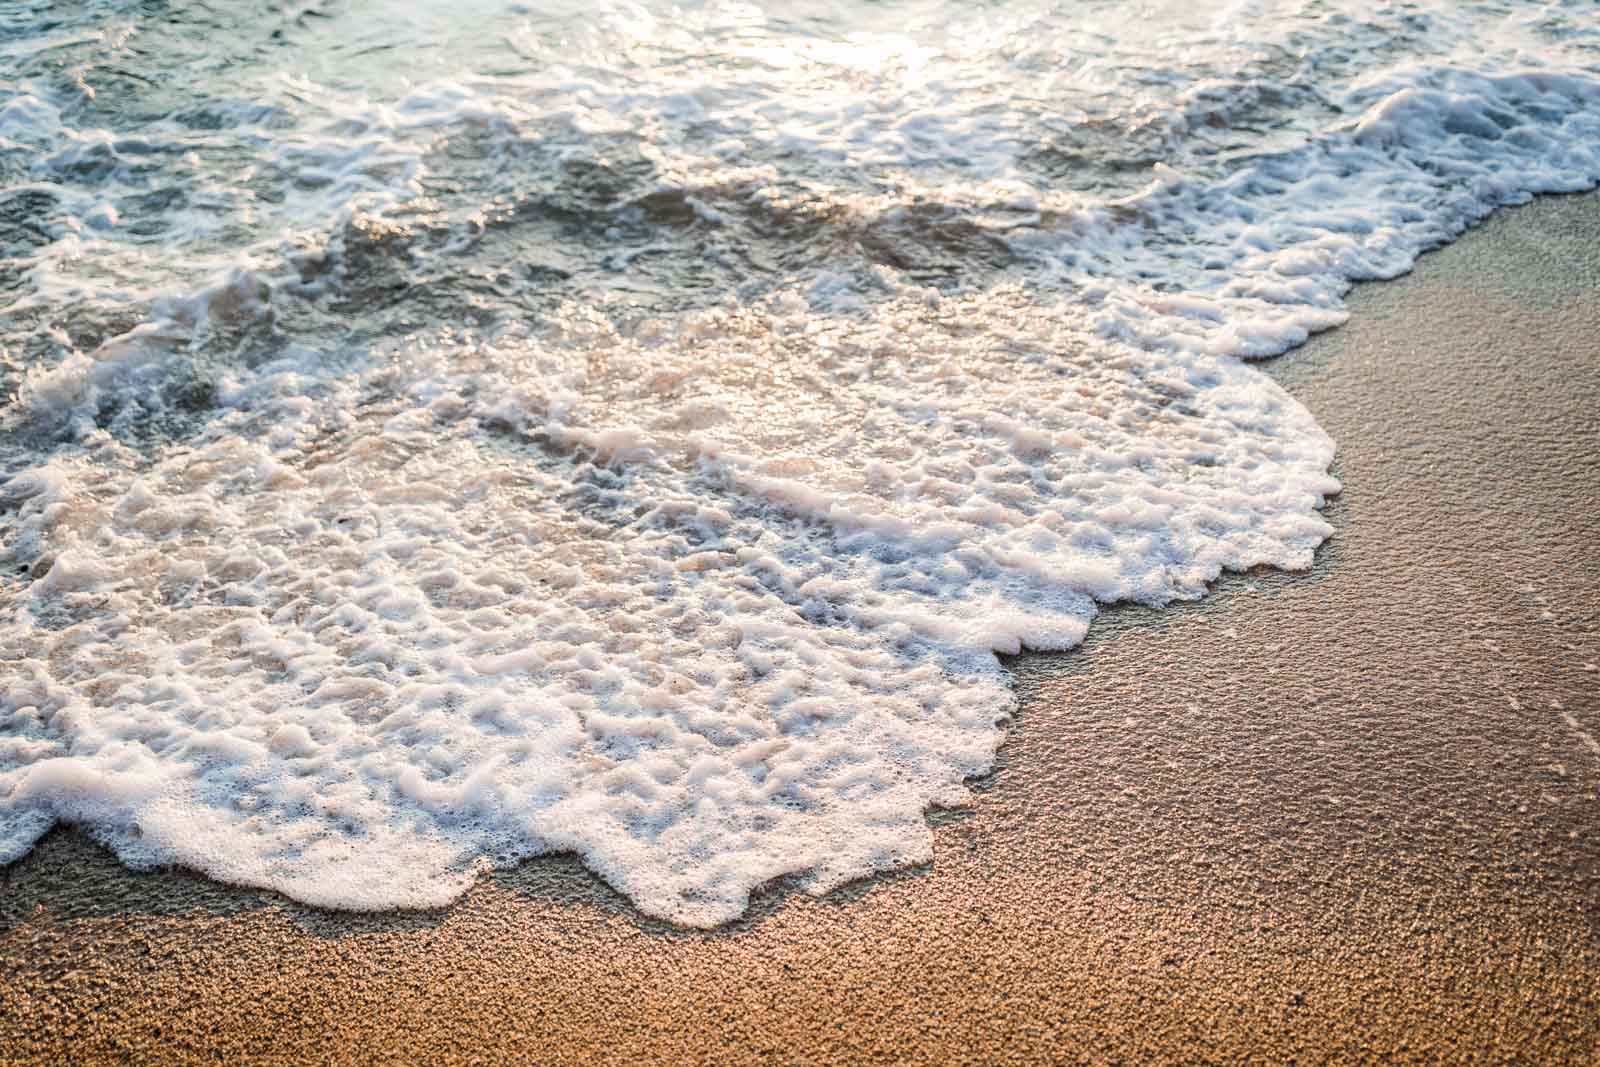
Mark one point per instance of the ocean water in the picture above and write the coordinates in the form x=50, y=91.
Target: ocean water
x=433, y=435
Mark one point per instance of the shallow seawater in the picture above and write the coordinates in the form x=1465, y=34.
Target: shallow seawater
x=439, y=434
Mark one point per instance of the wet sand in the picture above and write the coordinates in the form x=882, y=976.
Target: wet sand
x=1346, y=815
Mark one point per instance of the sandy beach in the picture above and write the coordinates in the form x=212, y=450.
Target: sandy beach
x=1346, y=815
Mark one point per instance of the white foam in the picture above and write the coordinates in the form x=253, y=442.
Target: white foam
x=714, y=598
x=353, y=649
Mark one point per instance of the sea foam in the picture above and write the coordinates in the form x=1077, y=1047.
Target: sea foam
x=709, y=595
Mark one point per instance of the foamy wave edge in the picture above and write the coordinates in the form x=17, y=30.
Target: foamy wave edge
x=309, y=654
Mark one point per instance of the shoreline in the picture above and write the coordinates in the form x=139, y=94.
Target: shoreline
x=1337, y=814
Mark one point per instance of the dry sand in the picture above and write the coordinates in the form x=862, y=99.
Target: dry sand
x=1351, y=814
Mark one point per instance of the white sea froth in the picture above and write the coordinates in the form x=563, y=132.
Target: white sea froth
x=714, y=598
x=707, y=609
